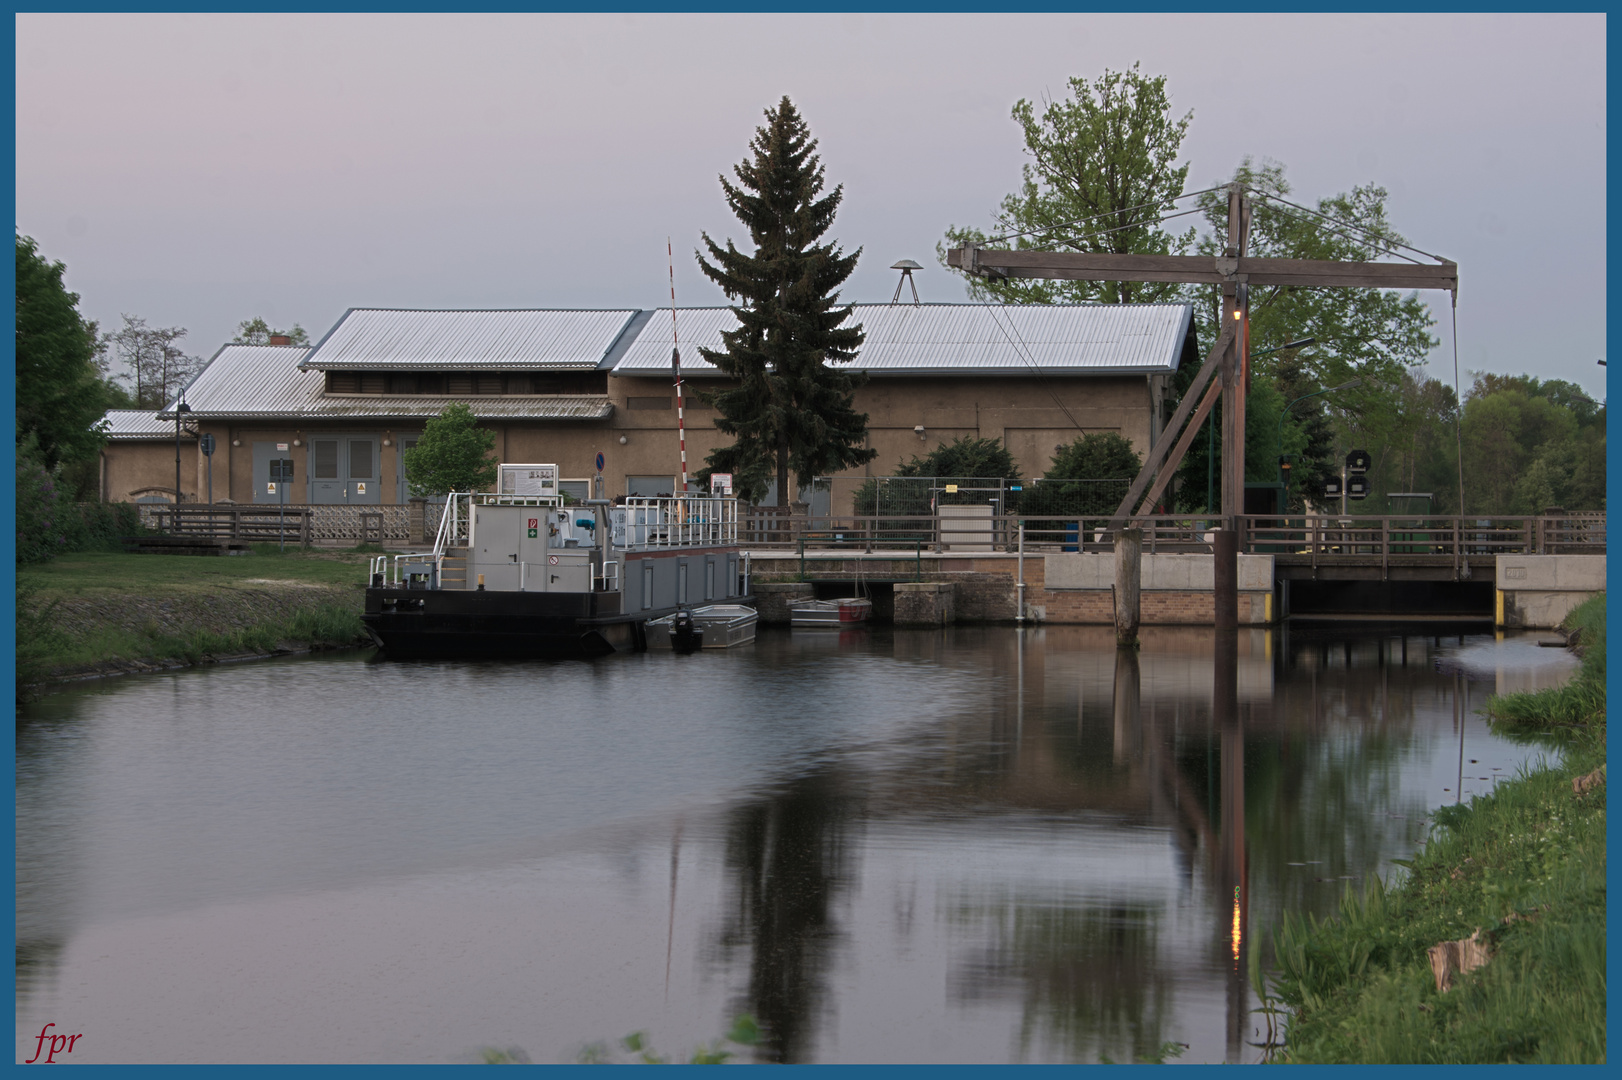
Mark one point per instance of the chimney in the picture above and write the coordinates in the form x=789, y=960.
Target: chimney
x=280, y=339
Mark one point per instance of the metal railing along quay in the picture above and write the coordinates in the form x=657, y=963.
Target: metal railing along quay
x=1435, y=537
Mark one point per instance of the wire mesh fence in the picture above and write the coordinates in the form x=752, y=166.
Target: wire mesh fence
x=895, y=497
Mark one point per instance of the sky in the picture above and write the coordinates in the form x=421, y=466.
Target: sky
x=198, y=170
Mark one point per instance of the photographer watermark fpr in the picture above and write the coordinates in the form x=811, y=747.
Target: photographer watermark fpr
x=60, y=1044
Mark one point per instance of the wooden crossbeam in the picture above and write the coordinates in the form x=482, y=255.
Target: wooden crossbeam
x=1202, y=269
x=1157, y=453
x=1181, y=449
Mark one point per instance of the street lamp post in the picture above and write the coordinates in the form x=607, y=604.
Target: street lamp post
x=180, y=408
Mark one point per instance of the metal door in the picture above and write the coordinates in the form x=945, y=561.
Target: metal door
x=362, y=472
x=266, y=488
x=326, y=486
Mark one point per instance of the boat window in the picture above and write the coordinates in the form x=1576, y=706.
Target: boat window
x=647, y=583
x=681, y=582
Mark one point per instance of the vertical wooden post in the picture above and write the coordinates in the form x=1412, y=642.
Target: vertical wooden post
x=1236, y=377
x=1225, y=552
x=1125, y=707
x=1128, y=578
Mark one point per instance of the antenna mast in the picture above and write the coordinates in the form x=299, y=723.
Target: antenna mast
x=675, y=366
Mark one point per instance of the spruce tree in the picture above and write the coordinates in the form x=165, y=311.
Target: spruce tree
x=791, y=411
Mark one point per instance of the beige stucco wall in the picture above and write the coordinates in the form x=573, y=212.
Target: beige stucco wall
x=1020, y=411
x=129, y=469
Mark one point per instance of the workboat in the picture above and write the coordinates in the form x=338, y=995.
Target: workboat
x=525, y=575
x=713, y=626
x=840, y=614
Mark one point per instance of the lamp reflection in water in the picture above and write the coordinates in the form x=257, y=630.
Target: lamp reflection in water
x=1231, y=852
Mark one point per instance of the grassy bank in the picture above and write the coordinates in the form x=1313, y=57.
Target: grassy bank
x=1525, y=866
x=93, y=613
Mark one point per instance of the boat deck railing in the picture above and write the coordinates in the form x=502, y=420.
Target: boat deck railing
x=679, y=521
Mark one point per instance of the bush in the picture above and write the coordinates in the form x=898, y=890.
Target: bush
x=98, y=526
x=39, y=530
x=1089, y=477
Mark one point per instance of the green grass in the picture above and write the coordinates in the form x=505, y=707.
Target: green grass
x=327, y=625
x=1580, y=702
x=84, y=572
x=122, y=588
x=1525, y=865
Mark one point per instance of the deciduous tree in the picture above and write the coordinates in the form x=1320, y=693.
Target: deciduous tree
x=256, y=331
x=452, y=455
x=1102, y=172
x=61, y=395
x=157, y=364
x=791, y=410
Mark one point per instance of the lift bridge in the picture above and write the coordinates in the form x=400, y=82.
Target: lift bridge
x=1389, y=564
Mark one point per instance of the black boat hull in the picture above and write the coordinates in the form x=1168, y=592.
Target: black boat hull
x=452, y=623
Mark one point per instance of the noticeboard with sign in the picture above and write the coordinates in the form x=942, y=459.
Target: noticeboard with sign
x=538, y=480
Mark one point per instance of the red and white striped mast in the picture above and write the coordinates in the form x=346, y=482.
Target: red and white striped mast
x=675, y=366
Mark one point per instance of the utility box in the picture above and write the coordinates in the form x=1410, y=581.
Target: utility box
x=966, y=528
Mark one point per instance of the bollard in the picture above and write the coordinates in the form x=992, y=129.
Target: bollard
x=1128, y=578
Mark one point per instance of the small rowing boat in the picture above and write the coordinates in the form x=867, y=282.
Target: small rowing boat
x=842, y=613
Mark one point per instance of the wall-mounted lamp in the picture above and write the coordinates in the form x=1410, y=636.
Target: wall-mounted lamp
x=918, y=430
x=236, y=442
x=388, y=438
x=623, y=440
x=298, y=438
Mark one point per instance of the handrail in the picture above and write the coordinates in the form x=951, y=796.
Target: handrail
x=1379, y=537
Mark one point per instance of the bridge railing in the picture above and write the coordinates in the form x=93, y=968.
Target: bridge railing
x=1321, y=536
x=1439, y=536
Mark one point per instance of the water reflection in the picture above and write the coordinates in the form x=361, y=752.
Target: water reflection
x=787, y=858
x=978, y=844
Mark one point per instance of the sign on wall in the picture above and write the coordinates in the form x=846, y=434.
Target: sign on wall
x=529, y=480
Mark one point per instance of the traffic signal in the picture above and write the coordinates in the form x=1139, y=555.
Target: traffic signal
x=1358, y=461
x=1332, y=487
x=1357, y=487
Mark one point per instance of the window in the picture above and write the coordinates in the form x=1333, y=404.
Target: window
x=647, y=403
x=324, y=459
x=360, y=459
x=471, y=383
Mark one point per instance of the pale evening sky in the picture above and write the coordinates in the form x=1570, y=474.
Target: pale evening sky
x=201, y=169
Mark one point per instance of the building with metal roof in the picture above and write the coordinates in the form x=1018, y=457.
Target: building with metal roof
x=975, y=340
x=564, y=386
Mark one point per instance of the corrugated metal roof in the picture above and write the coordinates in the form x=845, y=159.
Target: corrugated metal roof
x=128, y=424
x=373, y=339
x=253, y=381
x=960, y=339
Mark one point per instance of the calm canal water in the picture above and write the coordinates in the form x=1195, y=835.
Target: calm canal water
x=970, y=845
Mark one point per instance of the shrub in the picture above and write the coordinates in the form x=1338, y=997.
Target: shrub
x=39, y=530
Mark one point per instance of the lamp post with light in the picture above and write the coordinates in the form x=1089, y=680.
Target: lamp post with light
x=180, y=408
